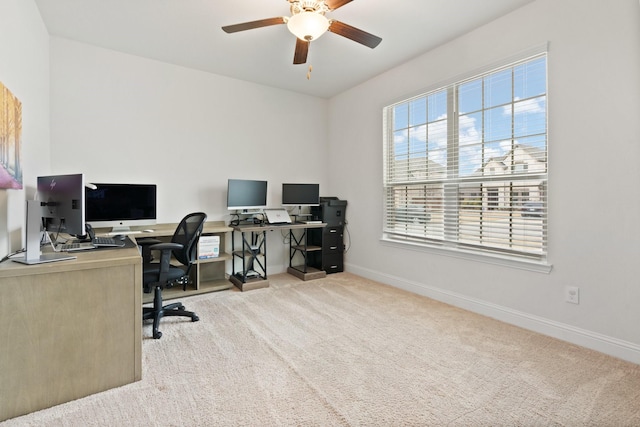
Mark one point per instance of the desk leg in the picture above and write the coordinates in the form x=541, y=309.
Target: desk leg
x=298, y=245
x=252, y=255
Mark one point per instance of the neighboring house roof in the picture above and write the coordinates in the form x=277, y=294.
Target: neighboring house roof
x=536, y=153
x=522, y=153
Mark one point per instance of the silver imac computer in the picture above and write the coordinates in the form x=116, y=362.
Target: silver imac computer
x=121, y=206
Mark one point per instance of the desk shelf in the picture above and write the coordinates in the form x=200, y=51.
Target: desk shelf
x=207, y=275
x=306, y=249
x=300, y=245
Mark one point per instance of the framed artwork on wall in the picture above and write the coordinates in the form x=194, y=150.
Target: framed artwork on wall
x=10, y=139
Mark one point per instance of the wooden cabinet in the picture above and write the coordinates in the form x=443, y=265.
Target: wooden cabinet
x=70, y=328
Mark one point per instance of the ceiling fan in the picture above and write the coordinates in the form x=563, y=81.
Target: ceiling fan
x=308, y=22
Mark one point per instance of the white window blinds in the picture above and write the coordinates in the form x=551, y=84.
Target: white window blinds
x=465, y=166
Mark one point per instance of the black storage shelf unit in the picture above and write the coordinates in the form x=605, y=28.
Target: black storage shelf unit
x=331, y=211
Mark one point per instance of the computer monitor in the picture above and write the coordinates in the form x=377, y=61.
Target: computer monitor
x=300, y=194
x=62, y=200
x=246, y=194
x=58, y=207
x=120, y=206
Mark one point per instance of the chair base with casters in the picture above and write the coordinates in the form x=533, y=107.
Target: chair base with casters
x=159, y=311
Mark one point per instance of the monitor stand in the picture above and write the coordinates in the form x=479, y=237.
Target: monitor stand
x=122, y=229
x=44, y=258
x=32, y=254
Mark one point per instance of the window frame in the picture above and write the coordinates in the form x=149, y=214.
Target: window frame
x=516, y=181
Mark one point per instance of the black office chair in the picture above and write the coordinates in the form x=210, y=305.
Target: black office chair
x=160, y=275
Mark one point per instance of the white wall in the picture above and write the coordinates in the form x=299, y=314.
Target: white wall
x=594, y=149
x=24, y=70
x=122, y=118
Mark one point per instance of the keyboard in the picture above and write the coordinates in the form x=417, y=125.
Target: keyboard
x=107, y=242
x=97, y=242
x=72, y=247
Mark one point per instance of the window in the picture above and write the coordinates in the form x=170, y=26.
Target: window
x=465, y=165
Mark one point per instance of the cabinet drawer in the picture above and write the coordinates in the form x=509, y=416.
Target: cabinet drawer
x=332, y=244
x=332, y=231
x=333, y=263
x=330, y=250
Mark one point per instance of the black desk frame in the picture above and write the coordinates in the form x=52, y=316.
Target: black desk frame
x=251, y=249
x=300, y=245
x=253, y=253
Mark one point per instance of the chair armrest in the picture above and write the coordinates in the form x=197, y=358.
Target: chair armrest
x=166, y=249
x=165, y=246
x=145, y=247
x=147, y=241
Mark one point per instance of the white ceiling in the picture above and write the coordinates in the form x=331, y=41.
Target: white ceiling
x=188, y=33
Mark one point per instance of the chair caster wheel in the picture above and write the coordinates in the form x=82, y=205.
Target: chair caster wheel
x=195, y=318
x=157, y=335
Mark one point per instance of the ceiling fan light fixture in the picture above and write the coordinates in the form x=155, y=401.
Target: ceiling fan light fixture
x=308, y=25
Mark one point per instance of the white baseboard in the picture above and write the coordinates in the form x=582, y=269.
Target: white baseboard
x=605, y=344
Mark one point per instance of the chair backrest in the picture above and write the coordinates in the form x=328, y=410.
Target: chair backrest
x=187, y=234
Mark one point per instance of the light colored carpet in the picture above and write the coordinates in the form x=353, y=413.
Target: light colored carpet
x=346, y=351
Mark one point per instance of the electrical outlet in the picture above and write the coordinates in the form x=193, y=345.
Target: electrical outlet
x=572, y=294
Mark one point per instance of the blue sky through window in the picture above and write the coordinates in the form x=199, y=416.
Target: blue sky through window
x=496, y=112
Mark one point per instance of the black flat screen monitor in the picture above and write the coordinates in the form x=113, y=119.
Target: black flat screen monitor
x=246, y=194
x=121, y=206
x=300, y=194
x=62, y=200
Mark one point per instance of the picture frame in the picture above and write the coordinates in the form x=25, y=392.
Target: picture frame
x=10, y=140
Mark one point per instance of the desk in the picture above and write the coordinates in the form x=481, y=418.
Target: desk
x=69, y=329
x=207, y=275
x=253, y=254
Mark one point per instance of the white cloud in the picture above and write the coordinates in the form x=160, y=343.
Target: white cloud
x=469, y=133
x=399, y=138
x=535, y=105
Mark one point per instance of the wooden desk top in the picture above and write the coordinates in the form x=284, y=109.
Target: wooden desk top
x=167, y=229
x=84, y=260
x=97, y=258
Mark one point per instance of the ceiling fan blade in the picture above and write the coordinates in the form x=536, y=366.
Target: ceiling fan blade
x=354, y=34
x=334, y=4
x=302, y=49
x=253, y=24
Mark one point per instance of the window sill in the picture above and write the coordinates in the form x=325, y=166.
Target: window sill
x=495, y=259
